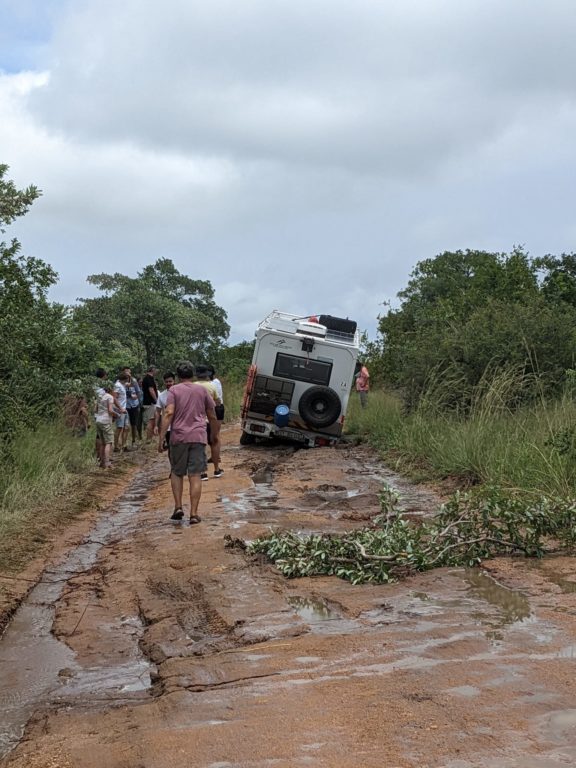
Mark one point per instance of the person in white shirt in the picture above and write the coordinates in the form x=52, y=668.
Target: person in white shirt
x=122, y=421
x=104, y=419
x=218, y=384
x=161, y=403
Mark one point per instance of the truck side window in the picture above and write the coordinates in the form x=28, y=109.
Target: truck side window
x=302, y=369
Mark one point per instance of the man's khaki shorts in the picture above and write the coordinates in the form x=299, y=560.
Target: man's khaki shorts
x=105, y=433
x=187, y=458
x=148, y=413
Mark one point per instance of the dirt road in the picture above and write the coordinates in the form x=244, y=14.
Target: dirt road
x=154, y=646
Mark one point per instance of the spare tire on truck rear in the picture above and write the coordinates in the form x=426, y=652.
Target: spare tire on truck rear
x=320, y=407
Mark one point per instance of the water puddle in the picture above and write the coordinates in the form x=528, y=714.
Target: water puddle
x=567, y=586
x=312, y=610
x=415, y=500
x=512, y=606
x=263, y=476
x=35, y=667
x=321, y=617
x=253, y=504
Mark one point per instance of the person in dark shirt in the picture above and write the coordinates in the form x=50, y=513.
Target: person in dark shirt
x=149, y=399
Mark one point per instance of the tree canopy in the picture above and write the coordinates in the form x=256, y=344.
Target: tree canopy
x=157, y=317
x=465, y=311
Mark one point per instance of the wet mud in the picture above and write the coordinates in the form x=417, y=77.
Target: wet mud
x=155, y=645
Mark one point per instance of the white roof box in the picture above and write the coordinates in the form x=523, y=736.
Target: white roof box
x=306, y=328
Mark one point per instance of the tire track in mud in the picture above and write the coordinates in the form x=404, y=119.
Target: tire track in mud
x=244, y=668
x=37, y=664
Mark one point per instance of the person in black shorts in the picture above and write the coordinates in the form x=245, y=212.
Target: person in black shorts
x=149, y=399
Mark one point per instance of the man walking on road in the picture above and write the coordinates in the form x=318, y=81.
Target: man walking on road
x=187, y=409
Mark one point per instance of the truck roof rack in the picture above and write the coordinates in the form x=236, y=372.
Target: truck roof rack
x=338, y=330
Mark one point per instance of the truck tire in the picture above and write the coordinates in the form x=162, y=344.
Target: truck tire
x=320, y=407
x=246, y=438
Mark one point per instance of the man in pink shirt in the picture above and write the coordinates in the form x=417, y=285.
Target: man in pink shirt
x=187, y=408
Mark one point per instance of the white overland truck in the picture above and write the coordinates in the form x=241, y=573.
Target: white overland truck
x=300, y=379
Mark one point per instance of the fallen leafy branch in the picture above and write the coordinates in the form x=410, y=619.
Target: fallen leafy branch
x=469, y=528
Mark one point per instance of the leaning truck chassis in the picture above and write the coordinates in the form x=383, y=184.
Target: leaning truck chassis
x=300, y=379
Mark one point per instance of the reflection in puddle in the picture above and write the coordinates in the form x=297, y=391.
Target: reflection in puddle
x=566, y=585
x=251, y=502
x=263, y=476
x=512, y=606
x=312, y=610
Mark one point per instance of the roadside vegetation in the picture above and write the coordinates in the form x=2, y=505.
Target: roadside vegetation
x=472, y=388
x=474, y=373
x=49, y=354
x=530, y=448
x=40, y=490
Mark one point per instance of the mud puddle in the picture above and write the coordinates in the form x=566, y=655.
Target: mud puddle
x=38, y=669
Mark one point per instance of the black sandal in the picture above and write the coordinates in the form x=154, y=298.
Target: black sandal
x=178, y=514
x=195, y=519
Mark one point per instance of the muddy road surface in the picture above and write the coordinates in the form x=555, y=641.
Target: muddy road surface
x=154, y=646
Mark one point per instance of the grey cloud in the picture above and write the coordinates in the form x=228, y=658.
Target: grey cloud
x=391, y=88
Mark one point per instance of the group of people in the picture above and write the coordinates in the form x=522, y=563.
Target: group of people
x=185, y=416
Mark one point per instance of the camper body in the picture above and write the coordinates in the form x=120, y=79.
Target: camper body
x=300, y=379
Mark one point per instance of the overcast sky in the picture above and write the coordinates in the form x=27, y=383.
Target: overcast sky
x=301, y=155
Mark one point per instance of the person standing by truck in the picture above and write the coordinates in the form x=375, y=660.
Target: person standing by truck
x=203, y=378
x=219, y=391
x=363, y=383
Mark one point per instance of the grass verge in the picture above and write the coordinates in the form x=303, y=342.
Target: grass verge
x=531, y=449
x=46, y=481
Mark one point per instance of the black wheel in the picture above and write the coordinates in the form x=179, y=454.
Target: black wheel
x=246, y=438
x=319, y=407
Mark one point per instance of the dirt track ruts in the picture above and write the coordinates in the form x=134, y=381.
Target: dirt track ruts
x=166, y=649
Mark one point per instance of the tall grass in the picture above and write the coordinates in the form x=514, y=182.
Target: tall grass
x=42, y=468
x=233, y=392
x=532, y=448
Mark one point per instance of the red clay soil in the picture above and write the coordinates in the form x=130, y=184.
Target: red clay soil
x=170, y=650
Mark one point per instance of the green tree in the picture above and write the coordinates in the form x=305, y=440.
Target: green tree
x=464, y=311
x=157, y=317
x=26, y=319
x=233, y=361
x=558, y=277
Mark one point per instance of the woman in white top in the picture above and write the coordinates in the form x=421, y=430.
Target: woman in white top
x=104, y=421
x=218, y=385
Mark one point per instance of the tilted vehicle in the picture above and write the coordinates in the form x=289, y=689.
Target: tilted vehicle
x=300, y=379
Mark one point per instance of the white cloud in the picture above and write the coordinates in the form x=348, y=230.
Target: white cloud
x=300, y=155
